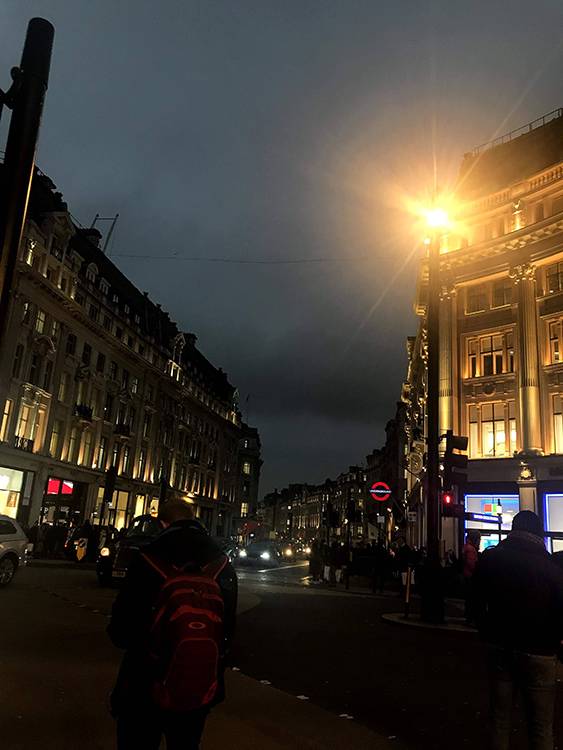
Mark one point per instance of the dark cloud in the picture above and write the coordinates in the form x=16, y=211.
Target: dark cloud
x=267, y=129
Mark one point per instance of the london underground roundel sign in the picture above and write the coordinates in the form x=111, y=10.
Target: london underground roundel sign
x=380, y=491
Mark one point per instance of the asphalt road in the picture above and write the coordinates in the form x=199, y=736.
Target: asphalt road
x=426, y=688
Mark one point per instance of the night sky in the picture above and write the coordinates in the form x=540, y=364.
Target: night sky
x=288, y=130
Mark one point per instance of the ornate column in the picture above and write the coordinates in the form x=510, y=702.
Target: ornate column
x=524, y=278
x=446, y=360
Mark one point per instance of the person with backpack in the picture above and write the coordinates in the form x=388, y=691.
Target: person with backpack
x=175, y=618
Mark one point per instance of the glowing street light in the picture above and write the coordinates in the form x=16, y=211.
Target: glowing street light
x=437, y=218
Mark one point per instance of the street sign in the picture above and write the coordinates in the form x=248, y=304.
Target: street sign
x=380, y=491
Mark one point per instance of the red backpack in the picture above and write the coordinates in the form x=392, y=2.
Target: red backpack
x=186, y=635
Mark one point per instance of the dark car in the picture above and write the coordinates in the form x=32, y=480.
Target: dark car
x=115, y=556
x=263, y=554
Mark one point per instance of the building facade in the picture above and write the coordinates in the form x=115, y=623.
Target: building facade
x=94, y=376
x=501, y=318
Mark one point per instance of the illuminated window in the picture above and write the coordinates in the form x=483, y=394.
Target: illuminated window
x=102, y=451
x=492, y=430
x=554, y=336
x=476, y=299
x=125, y=460
x=244, y=510
x=63, y=387
x=6, y=419
x=502, y=293
x=72, y=444
x=490, y=355
x=141, y=461
x=40, y=321
x=246, y=467
x=24, y=424
x=558, y=422
x=55, y=438
x=554, y=277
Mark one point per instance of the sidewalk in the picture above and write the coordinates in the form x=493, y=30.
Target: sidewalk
x=259, y=717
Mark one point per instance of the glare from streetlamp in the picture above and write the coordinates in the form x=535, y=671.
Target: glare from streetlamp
x=437, y=218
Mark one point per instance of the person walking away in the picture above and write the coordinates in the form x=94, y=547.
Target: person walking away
x=315, y=562
x=519, y=598
x=175, y=618
x=404, y=559
x=469, y=559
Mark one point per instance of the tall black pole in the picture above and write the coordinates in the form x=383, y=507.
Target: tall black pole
x=432, y=607
x=27, y=103
x=432, y=405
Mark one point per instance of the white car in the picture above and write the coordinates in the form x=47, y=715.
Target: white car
x=14, y=546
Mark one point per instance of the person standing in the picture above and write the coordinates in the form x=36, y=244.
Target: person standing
x=165, y=684
x=469, y=560
x=519, y=600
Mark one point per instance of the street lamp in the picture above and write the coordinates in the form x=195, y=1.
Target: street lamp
x=433, y=603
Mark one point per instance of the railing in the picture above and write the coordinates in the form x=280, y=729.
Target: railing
x=553, y=115
x=23, y=443
x=84, y=412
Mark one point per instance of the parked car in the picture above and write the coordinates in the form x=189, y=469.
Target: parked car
x=263, y=554
x=116, y=554
x=14, y=548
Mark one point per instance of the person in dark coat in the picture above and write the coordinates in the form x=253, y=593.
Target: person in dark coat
x=519, y=600
x=140, y=725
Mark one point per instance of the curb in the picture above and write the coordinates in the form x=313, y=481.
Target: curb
x=452, y=624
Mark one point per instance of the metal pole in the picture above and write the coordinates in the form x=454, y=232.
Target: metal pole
x=19, y=160
x=432, y=600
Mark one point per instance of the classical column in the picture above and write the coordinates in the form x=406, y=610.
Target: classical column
x=446, y=361
x=524, y=278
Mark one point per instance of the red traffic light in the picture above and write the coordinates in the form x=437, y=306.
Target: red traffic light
x=447, y=498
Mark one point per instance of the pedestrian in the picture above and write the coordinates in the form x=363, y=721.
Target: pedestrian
x=519, y=597
x=469, y=559
x=315, y=562
x=404, y=561
x=379, y=566
x=171, y=621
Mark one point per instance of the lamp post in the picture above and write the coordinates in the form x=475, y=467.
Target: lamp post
x=432, y=608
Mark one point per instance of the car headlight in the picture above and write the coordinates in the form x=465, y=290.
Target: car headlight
x=104, y=552
x=288, y=553
x=242, y=553
x=307, y=550
x=265, y=555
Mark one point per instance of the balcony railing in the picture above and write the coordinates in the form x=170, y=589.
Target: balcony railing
x=83, y=412
x=23, y=443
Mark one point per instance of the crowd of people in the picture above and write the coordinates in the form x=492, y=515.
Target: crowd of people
x=57, y=540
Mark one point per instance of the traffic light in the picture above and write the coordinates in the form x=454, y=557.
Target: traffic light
x=450, y=507
x=454, y=460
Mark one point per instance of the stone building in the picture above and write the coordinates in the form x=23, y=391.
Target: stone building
x=501, y=318
x=94, y=375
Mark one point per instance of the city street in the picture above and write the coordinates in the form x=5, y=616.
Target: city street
x=409, y=687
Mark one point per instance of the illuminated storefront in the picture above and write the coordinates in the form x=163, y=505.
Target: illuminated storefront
x=553, y=520
x=12, y=491
x=491, y=514
x=63, y=502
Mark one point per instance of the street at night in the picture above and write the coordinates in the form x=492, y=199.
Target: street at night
x=404, y=687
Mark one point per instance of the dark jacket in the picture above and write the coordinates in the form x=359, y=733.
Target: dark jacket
x=519, y=596
x=181, y=543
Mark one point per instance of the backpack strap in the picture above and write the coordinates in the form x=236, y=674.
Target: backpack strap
x=214, y=568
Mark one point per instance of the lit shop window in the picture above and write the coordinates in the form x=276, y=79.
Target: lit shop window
x=11, y=482
x=558, y=422
x=553, y=514
x=492, y=430
x=490, y=355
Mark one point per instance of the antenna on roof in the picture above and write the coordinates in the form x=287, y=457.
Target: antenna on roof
x=113, y=220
